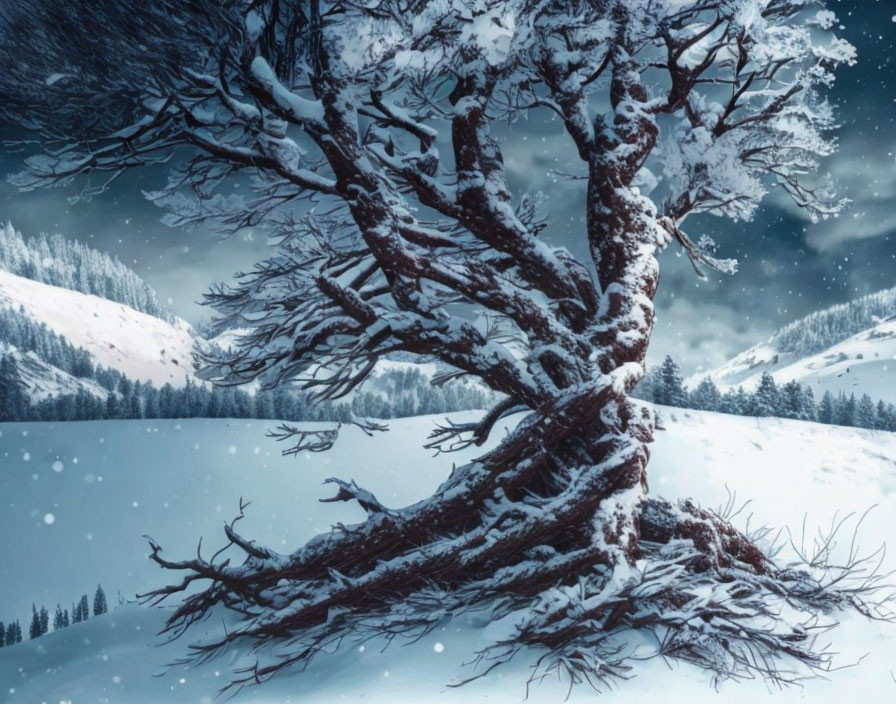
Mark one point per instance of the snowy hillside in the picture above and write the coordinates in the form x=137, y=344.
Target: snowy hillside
x=864, y=363
x=43, y=380
x=69, y=264
x=82, y=506
x=139, y=345
x=849, y=348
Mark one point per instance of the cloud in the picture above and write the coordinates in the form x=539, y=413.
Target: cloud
x=702, y=334
x=865, y=172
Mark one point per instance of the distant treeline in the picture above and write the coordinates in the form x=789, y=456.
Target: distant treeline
x=823, y=329
x=11, y=633
x=54, y=260
x=664, y=385
x=397, y=393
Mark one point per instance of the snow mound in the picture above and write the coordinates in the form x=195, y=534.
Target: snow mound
x=177, y=481
x=140, y=346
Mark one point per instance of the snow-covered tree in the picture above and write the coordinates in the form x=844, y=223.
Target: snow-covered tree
x=826, y=408
x=736, y=402
x=362, y=136
x=766, y=400
x=825, y=328
x=70, y=264
x=810, y=408
x=706, y=396
x=668, y=389
x=845, y=410
x=884, y=418
x=13, y=398
x=796, y=401
x=865, y=412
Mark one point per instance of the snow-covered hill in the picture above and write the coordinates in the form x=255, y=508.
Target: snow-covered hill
x=861, y=363
x=43, y=380
x=140, y=346
x=80, y=522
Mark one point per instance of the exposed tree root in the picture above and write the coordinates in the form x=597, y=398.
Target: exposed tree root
x=575, y=563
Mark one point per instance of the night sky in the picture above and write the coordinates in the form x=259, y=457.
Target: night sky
x=789, y=266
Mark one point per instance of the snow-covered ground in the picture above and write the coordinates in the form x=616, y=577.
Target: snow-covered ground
x=138, y=345
x=863, y=364
x=69, y=525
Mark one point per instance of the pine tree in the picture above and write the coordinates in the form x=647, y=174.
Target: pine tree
x=2, y=634
x=76, y=612
x=84, y=605
x=58, y=618
x=766, y=399
x=135, y=408
x=669, y=391
x=34, y=630
x=647, y=385
x=826, y=409
x=213, y=409
x=885, y=416
x=13, y=633
x=865, y=415
x=13, y=399
x=112, y=409
x=99, y=601
x=845, y=413
x=706, y=396
x=795, y=403
x=264, y=405
x=44, y=620
x=809, y=406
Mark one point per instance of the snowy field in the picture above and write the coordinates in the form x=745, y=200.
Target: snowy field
x=77, y=497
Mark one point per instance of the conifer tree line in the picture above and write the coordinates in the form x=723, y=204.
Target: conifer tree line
x=397, y=393
x=664, y=385
x=26, y=335
x=822, y=329
x=11, y=633
x=55, y=260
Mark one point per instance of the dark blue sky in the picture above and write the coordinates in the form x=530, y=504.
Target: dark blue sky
x=789, y=267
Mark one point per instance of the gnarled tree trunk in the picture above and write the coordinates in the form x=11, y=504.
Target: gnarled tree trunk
x=342, y=102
